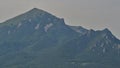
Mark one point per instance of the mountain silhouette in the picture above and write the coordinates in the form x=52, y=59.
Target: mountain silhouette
x=38, y=39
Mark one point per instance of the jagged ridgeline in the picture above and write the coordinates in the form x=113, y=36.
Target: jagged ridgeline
x=38, y=39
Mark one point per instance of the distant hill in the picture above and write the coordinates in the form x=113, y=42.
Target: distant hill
x=38, y=39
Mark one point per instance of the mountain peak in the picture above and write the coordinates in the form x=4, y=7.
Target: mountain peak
x=108, y=34
x=106, y=30
x=36, y=10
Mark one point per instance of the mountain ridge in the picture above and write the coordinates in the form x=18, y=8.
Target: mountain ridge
x=38, y=39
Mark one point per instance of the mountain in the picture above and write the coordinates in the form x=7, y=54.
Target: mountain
x=79, y=29
x=38, y=39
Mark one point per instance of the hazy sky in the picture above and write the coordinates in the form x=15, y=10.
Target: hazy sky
x=92, y=14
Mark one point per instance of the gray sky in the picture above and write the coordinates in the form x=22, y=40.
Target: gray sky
x=91, y=14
